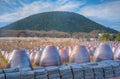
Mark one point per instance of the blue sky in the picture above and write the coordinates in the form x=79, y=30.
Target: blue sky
x=105, y=12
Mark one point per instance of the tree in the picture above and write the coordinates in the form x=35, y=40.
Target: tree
x=118, y=37
x=105, y=37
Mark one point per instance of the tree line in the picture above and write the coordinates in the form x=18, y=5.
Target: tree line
x=110, y=37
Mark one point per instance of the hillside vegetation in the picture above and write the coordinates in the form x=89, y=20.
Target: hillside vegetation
x=57, y=20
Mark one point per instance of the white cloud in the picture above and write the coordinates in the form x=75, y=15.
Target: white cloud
x=40, y=6
x=108, y=11
x=62, y=1
x=69, y=6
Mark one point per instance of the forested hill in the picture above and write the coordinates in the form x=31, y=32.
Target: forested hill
x=57, y=20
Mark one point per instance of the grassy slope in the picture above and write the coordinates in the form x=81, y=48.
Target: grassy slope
x=61, y=21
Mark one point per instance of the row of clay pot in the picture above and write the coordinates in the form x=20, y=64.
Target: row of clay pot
x=51, y=56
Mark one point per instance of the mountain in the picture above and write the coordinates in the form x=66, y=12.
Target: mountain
x=58, y=20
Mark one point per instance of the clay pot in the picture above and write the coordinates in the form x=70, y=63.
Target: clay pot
x=50, y=57
x=103, y=52
x=79, y=55
x=18, y=59
x=37, y=57
x=64, y=55
x=117, y=53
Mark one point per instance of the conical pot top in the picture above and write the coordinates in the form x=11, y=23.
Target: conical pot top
x=103, y=52
x=117, y=53
x=19, y=58
x=79, y=55
x=50, y=57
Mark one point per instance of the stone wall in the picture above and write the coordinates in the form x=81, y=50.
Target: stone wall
x=94, y=70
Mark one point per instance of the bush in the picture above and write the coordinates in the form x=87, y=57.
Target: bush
x=118, y=37
x=105, y=37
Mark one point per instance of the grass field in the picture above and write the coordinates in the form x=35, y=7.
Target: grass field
x=29, y=43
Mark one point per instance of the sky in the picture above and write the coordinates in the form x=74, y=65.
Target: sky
x=105, y=12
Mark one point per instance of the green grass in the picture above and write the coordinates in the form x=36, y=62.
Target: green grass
x=3, y=62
